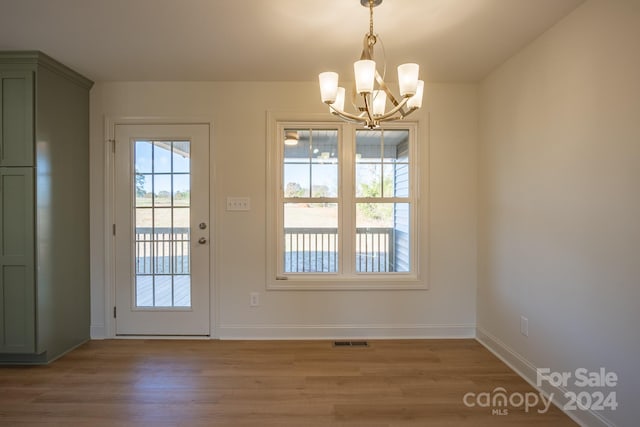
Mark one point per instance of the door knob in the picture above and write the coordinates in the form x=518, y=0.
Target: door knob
x=202, y=240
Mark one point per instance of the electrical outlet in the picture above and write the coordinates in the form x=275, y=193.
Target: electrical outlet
x=254, y=299
x=524, y=326
x=238, y=203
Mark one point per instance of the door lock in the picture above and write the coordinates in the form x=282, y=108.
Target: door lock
x=202, y=225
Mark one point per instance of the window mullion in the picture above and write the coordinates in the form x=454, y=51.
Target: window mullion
x=347, y=230
x=310, y=200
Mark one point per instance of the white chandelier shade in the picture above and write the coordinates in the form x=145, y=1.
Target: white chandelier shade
x=415, y=101
x=369, y=84
x=365, y=72
x=329, y=86
x=408, y=79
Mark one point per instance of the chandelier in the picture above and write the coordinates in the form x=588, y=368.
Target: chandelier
x=370, y=85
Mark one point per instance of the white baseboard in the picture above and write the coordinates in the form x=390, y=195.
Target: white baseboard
x=301, y=332
x=529, y=372
x=98, y=332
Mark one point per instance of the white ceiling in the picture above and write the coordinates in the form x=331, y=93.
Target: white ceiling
x=272, y=40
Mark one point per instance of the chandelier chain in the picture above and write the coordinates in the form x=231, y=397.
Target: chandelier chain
x=371, y=17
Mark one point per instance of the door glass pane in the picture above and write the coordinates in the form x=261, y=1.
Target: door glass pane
x=162, y=157
x=163, y=293
x=182, y=291
x=162, y=216
x=181, y=189
x=144, y=290
x=181, y=155
x=162, y=189
x=144, y=157
x=144, y=189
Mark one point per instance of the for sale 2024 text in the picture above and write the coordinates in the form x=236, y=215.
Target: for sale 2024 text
x=597, y=394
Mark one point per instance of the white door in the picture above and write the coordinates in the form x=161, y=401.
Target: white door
x=162, y=229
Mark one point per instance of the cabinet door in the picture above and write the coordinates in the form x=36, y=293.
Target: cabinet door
x=17, y=283
x=16, y=118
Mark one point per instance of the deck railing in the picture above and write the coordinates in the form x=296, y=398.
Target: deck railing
x=307, y=250
x=375, y=250
x=316, y=250
x=162, y=250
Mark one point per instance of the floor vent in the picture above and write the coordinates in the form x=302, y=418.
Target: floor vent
x=350, y=344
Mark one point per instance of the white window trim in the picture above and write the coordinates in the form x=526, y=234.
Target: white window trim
x=346, y=278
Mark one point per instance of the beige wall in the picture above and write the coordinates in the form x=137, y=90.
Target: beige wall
x=238, y=112
x=559, y=224
x=558, y=229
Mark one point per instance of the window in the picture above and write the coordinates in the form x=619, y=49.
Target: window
x=343, y=208
x=382, y=199
x=310, y=202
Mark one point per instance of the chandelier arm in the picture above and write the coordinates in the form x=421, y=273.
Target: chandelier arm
x=362, y=122
x=358, y=122
x=353, y=96
x=390, y=119
x=367, y=49
x=411, y=110
x=367, y=106
x=384, y=56
x=404, y=113
x=394, y=110
x=398, y=117
x=383, y=86
x=345, y=115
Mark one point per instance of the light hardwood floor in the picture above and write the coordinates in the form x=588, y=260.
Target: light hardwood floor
x=265, y=383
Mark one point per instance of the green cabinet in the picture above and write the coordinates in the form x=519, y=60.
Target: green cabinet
x=44, y=208
x=17, y=297
x=16, y=118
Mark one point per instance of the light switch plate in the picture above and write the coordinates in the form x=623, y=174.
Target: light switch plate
x=238, y=203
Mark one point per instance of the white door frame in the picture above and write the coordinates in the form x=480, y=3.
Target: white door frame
x=110, y=124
